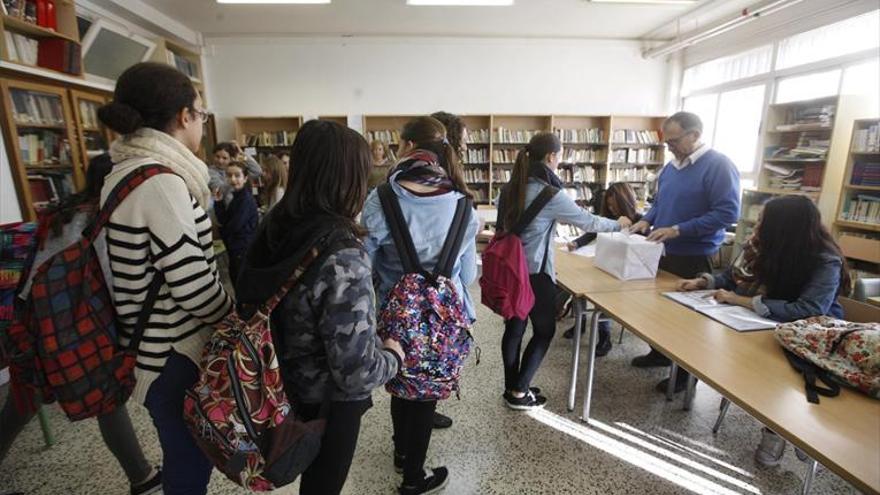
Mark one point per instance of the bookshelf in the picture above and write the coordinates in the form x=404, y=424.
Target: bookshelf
x=636, y=152
x=183, y=58
x=93, y=137
x=267, y=134
x=509, y=134
x=584, y=165
x=32, y=37
x=40, y=129
x=477, y=165
x=857, y=223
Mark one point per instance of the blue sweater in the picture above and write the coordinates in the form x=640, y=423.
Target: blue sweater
x=702, y=199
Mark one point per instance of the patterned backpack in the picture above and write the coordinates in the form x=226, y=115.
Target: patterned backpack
x=424, y=311
x=833, y=351
x=17, y=248
x=65, y=333
x=238, y=411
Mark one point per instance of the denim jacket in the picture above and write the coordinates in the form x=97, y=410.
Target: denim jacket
x=429, y=218
x=818, y=297
x=540, y=234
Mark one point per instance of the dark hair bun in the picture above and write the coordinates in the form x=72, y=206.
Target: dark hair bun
x=120, y=117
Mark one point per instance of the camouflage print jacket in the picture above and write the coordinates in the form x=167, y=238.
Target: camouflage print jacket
x=325, y=331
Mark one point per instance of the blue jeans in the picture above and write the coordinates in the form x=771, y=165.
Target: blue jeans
x=185, y=469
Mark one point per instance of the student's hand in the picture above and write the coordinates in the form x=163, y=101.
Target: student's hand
x=571, y=246
x=394, y=346
x=691, y=284
x=218, y=194
x=624, y=222
x=728, y=297
x=640, y=227
x=663, y=234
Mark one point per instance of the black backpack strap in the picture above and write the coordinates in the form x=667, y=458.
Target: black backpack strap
x=533, y=209
x=146, y=310
x=811, y=373
x=455, y=237
x=122, y=189
x=399, y=230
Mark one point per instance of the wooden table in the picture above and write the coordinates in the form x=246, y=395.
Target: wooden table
x=875, y=301
x=843, y=433
x=577, y=275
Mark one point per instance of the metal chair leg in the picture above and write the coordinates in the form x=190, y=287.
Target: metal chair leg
x=620, y=339
x=690, y=392
x=725, y=405
x=670, y=387
x=808, y=480
x=48, y=438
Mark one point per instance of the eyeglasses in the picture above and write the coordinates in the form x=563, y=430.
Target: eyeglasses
x=674, y=141
x=203, y=114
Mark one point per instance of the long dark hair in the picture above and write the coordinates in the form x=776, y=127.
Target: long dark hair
x=624, y=198
x=428, y=133
x=61, y=214
x=148, y=94
x=514, y=196
x=790, y=240
x=329, y=166
x=455, y=127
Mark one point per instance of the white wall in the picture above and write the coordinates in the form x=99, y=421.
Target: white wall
x=355, y=76
x=9, y=209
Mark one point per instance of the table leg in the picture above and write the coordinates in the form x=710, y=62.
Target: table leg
x=725, y=405
x=48, y=438
x=690, y=392
x=591, y=361
x=808, y=480
x=620, y=339
x=670, y=387
x=576, y=349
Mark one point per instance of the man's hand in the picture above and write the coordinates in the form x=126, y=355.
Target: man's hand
x=624, y=222
x=640, y=227
x=663, y=234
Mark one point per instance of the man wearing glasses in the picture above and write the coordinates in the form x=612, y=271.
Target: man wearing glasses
x=697, y=199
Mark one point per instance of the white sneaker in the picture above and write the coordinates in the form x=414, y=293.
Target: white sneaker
x=770, y=450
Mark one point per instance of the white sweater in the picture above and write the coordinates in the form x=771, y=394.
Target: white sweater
x=160, y=226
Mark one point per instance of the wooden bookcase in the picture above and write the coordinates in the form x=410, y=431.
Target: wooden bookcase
x=509, y=134
x=41, y=136
x=584, y=167
x=267, y=134
x=477, y=158
x=859, y=236
x=93, y=137
x=636, y=152
x=66, y=31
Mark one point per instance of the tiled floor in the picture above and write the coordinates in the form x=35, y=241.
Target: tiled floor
x=640, y=443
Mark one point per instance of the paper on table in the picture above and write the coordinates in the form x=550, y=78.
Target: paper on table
x=736, y=317
x=587, y=251
x=697, y=299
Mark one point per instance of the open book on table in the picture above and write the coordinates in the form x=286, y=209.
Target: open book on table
x=736, y=317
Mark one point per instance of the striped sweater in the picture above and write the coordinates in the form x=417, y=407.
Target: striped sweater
x=160, y=226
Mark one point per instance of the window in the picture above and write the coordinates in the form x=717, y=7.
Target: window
x=704, y=106
x=738, y=126
x=746, y=64
x=842, y=38
x=815, y=85
x=864, y=79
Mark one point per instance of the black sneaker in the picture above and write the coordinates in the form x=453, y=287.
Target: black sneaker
x=652, y=359
x=399, y=461
x=152, y=485
x=569, y=334
x=441, y=422
x=431, y=483
x=526, y=402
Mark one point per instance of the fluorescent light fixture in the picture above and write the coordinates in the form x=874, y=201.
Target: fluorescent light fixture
x=649, y=2
x=303, y=2
x=461, y=3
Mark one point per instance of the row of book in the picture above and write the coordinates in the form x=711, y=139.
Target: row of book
x=49, y=187
x=636, y=155
x=866, y=174
x=579, y=193
x=581, y=136
x=821, y=115
x=864, y=208
x=44, y=148
x=626, y=174
x=504, y=136
x=476, y=175
x=88, y=111
x=278, y=138
x=807, y=178
x=36, y=108
x=184, y=64
x=583, y=156
x=867, y=139
x=21, y=48
x=40, y=12
x=478, y=155
x=577, y=174
x=635, y=136
x=501, y=175
x=504, y=156
x=480, y=195
x=477, y=136
x=386, y=136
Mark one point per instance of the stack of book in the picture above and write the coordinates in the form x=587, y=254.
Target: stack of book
x=479, y=155
x=49, y=187
x=630, y=136
x=388, y=136
x=39, y=12
x=480, y=195
x=88, y=111
x=29, y=108
x=504, y=136
x=635, y=174
x=821, y=115
x=477, y=136
x=787, y=178
x=22, y=48
x=863, y=208
x=581, y=136
x=867, y=140
x=501, y=175
x=866, y=174
x=277, y=138
x=476, y=175
x=583, y=156
x=504, y=156
x=43, y=148
x=184, y=65
x=635, y=155
x=577, y=174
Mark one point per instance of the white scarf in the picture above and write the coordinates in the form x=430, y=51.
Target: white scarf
x=157, y=145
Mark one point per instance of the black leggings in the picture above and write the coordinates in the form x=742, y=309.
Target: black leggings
x=327, y=474
x=518, y=373
x=413, y=421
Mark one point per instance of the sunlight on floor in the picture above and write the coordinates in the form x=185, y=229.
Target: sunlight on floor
x=647, y=456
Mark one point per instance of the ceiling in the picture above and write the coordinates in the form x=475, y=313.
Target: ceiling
x=527, y=18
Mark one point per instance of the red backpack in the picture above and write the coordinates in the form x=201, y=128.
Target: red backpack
x=65, y=335
x=238, y=411
x=504, y=284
